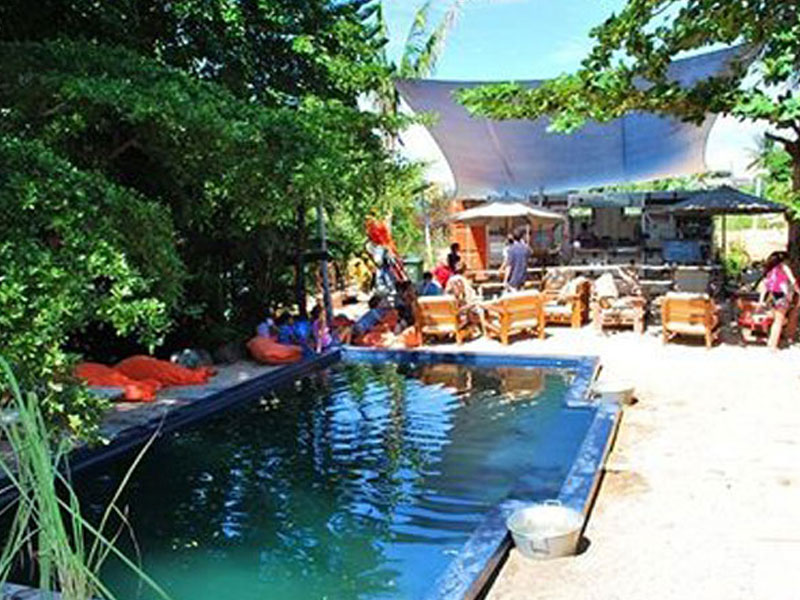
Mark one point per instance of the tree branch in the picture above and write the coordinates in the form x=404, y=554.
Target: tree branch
x=120, y=149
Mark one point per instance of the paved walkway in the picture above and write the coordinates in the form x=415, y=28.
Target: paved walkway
x=701, y=498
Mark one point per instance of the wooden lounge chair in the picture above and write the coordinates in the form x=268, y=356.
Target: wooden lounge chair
x=515, y=313
x=618, y=301
x=567, y=304
x=690, y=314
x=438, y=316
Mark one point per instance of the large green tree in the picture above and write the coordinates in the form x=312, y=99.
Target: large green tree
x=628, y=70
x=163, y=144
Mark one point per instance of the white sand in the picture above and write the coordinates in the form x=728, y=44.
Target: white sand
x=701, y=498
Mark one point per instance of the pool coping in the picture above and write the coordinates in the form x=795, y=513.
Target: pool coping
x=130, y=439
x=471, y=574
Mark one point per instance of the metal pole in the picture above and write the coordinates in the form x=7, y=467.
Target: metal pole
x=326, y=290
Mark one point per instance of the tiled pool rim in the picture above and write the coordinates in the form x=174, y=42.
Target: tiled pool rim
x=471, y=572
x=482, y=555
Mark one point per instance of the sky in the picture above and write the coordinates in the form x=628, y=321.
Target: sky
x=538, y=39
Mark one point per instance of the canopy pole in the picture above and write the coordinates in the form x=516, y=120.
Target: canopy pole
x=326, y=289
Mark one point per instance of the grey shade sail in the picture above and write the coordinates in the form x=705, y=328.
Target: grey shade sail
x=501, y=211
x=520, y=158
x=726, y=200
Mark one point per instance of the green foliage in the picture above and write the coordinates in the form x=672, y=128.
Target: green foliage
x=74, y=249
x=48, y=528
x=735, y=260
x=161, y=162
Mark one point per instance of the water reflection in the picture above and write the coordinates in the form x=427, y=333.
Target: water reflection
x=359, y=483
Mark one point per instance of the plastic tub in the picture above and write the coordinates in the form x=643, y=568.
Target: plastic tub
x=544, y=531
x=613, y=390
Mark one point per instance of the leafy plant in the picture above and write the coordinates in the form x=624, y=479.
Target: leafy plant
x=48, y=526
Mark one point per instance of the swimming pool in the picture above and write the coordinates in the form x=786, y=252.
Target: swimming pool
x=367, y=479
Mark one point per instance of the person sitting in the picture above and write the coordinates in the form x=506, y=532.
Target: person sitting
x=369, y=319
x=267, y=327
x=469, y=309
x=442, y=273
x=779, y=291
x=285, y=326
x=406, y=303
x=319, y=330
x=429, y=286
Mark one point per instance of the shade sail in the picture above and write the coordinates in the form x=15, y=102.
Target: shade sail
x=726, y=200
x=520, y=158
x=493, y=211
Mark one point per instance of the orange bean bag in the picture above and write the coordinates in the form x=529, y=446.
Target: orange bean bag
x=376, y=339
x=411, y=337
x=146, y=367
x=268, y=351
x=132, y=390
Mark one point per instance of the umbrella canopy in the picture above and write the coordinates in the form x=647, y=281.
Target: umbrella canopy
x=726, y=200
x=497, y=211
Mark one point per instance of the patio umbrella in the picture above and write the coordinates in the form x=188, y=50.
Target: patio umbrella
x=726, y=200
x=505, y=211
x=722, y=201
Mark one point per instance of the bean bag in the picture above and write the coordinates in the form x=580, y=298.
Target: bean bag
x=146, y=367
x=376, y=339
x=132, y=390
x=411, y=337
x=268, y=351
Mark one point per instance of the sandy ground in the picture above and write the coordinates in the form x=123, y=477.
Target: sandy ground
x=701, y=496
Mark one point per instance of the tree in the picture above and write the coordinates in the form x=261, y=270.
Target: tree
x=628, y=70
x=181, y=185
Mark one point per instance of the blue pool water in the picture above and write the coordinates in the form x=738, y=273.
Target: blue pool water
x=362, y=481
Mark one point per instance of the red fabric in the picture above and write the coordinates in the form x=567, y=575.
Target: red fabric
x=376, y=339
x=268, y=351
x=341, y=321
x=132, y=390
x=411, y=337
x=389, y=320
x=753, y=318
x=442, y=273
x=142, y=367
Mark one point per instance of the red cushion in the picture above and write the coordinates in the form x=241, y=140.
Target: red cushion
x=102, y=375
x=267, y=350
x=146, y=367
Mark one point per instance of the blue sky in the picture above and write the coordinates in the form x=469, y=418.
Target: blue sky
x=537, y=39
x=508, y=39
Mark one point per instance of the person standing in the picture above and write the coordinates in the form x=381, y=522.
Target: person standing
x=518, y=255
x=780, y=292
x=454, y=258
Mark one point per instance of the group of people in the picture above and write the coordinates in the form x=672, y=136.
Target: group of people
x=311, y=334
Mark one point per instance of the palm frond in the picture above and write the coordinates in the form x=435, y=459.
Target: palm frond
x=423, y=50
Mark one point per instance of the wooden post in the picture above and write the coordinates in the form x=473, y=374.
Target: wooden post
x=299, y=264
x=326, y=289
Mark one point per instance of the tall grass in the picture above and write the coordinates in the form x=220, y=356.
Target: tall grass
x=48, y=527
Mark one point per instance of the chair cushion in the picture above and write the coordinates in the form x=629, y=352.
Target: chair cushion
x=554, y=308
x=687, y=328
x=605, y=287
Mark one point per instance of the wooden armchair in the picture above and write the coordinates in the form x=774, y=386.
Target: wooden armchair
x=515, y=313
x=568, y=305
x=439, y=316
x=690, y=314
x=618, y=302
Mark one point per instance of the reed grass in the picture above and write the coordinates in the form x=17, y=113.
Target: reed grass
x=48, y=527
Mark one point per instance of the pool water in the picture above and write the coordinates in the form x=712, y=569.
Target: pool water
x=362, y=481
